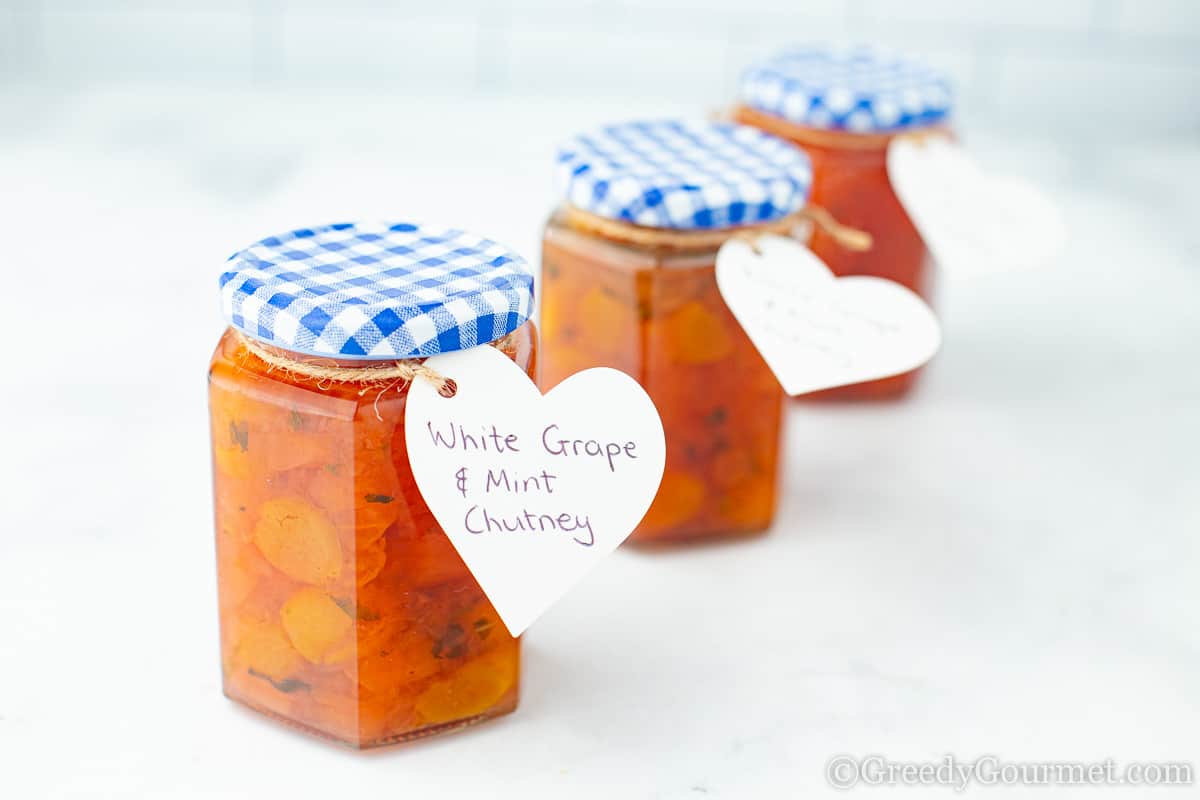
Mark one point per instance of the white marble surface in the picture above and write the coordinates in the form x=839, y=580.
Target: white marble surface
x=1007, y=564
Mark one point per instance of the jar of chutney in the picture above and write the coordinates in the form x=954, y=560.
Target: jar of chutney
x=844, y=107
x=344, y=608
x=628, y=282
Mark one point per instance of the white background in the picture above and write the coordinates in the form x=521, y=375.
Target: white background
x=1130, y=65
x=1007, y=563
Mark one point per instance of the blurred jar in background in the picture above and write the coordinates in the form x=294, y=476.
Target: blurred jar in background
x=844, y=107
x=628, y=282
x=344, y=608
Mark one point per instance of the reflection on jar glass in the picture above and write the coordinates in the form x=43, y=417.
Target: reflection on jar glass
x=628, y=282
x=344, y=608
x=843, y=106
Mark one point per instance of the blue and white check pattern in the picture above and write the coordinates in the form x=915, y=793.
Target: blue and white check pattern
x=687, y=175
x=856, y=89
x=376, y=291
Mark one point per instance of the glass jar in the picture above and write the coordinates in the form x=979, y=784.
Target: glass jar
x=628, y=282
x=344, y=608
x=843, y=107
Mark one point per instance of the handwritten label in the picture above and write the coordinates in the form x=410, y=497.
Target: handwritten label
x=972, y=221
x=816, y=331
x=532, y=490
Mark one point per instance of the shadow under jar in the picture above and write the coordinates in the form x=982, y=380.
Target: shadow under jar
x=844, y=107
x=344, y=608
x=628, y=282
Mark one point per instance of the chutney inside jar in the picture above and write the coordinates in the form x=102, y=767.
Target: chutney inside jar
x=844, y=107
x=344, y=608
x=648, y=304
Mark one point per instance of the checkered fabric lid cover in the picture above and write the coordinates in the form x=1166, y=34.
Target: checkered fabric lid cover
x=688, y=175
x=376, y=291
x=857, y=89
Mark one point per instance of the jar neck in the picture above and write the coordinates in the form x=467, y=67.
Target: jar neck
x=665, y=240
x=700, y=241
x=325, y=372
x=822, y=138
x=272, y=354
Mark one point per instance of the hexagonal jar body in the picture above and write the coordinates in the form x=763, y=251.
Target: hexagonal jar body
x=344, y=608
x=844, y=107
x=629, y=282
x=850, y=180
x=658, y=316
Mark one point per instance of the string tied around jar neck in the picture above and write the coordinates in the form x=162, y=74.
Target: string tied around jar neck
x=792, y=225
x=831, y=139
x=382, y=375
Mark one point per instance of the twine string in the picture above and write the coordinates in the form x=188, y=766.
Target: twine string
x=846, y=236
x=383, y=376
x=832, y=139
x=854, y=239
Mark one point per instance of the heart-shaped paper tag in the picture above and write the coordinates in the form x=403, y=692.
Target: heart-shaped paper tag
x=972, y=221
x=532, y=490
x=816, y=331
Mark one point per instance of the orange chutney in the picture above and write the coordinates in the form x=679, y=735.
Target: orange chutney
x=628, y=281
x=852, y=103
x=344, y=608
x=656, y=315
x=850, y=180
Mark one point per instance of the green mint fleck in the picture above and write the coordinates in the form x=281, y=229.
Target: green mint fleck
x=287, y=685
x=483, y=627
x=239, y=434
x=453, y=643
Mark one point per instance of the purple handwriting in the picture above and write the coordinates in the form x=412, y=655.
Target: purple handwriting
x=477, y=520
x=489, y=439
x=456, y=437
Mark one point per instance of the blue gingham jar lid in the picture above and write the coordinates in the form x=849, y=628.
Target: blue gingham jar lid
x=684, y=175
x=856, y=89
x=376, y=290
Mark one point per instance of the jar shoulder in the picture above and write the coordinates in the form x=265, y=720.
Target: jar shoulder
x=235, y=372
